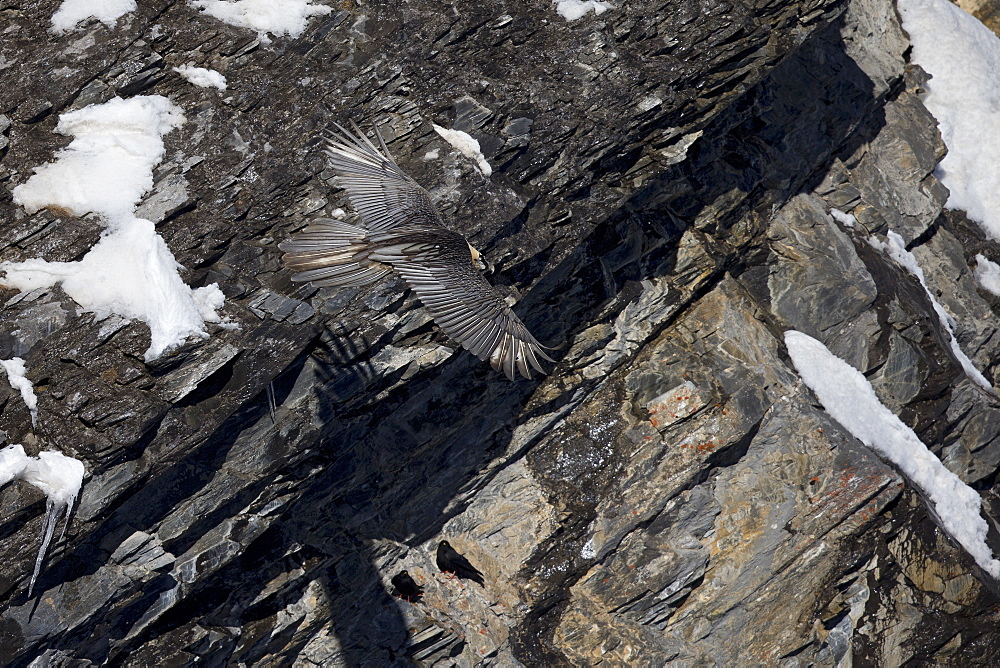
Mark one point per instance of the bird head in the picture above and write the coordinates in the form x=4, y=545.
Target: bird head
x=479, y=262
x=444, y=543
x=404, y=572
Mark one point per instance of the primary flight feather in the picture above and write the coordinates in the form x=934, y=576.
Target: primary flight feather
x=402, y=232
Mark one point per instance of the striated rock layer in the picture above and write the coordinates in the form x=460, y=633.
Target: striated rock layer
x=663, y=176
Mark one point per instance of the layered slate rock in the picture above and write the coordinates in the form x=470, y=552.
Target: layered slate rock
x=663, y=176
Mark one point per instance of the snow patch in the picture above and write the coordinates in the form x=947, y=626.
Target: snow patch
x=278, y=17
x=209, y=300
x=896, y=249
x=73, y=12
x=59, y=477
x=846, y=219
x=15, y=376
x=963, y=58
x=108, y=167
x=467, y=146
x=201, y=76
x=13, y=461
x=571, y=10
x=850, y=400
x=130, y=272
x=988, y=275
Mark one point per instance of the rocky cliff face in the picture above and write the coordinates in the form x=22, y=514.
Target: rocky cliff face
x=663, y=175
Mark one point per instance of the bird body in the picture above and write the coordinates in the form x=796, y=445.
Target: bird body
x=403, y=233
x=406, y=587
x=450, y=561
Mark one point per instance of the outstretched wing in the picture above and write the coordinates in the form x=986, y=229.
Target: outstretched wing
x=381, y=192
x=437, y=265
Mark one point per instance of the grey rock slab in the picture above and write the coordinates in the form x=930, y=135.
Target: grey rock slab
x=817, y=283
x=902, y=374
x=893, y=173
x=946, y=271
x=177, y=385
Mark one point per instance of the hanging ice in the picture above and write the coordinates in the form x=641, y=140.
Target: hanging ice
x=58, y=476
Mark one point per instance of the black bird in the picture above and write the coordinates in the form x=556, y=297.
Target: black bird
x=402, y=232
x=406, y=588
x=450, y=561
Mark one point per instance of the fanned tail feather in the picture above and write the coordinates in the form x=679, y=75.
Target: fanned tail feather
x=513, y=353
x=331, y=252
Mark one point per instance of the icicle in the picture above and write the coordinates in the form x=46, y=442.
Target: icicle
x=271, y=403
x=60, y=478
x=69, y=511
x=52, y=510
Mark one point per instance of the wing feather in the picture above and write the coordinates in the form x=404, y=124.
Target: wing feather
x=437, y=265
x=384, y=195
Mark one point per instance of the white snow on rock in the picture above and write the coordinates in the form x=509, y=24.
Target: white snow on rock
x=108, y=166
x=963, y=58
x=73, y=12
x=15, y=376
x=850, y=400
x=13, y=461
x=896, y=249
x=278, y=17
x=466, y=145
x=130, y=271
x=571, y=10
x=988, y=275
x=846, y=219
x=59, y=477
x=201, y=76
x=209, y=300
